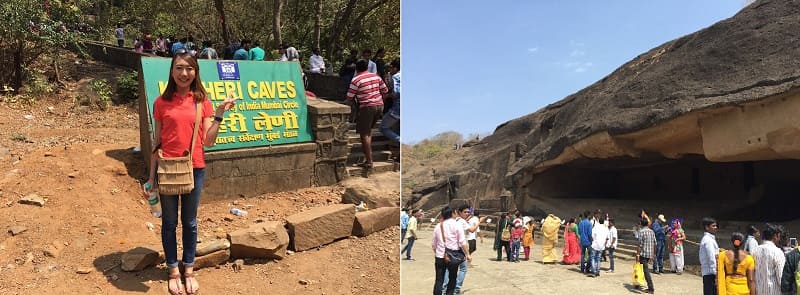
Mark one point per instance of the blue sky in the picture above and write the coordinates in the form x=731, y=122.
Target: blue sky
x=471, y=65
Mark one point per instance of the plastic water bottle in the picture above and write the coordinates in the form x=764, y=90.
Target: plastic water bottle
x=238, y=212
x=155, y=207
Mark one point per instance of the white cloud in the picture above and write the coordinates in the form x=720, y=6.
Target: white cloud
x=533, y=49
x=578, y=67
x=577, y=53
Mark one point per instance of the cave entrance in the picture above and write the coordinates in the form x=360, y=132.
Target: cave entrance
x=691, y=185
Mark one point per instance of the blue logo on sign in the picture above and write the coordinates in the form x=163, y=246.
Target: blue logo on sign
x=228, y=70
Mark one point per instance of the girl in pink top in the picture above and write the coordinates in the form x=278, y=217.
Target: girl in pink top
x=516, y=239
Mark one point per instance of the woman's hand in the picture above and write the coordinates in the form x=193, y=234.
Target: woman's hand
x=226, y=105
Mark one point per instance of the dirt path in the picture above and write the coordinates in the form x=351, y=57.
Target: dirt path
x=83, y=164
x=532, y=277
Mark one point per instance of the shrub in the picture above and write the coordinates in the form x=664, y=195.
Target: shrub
x=128, y=87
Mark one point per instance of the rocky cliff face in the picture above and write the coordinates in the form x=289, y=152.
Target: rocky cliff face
x=727, y=93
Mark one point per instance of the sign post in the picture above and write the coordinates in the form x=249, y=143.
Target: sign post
x=271, y=110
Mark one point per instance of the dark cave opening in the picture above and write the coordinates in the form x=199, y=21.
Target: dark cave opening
x=751, y=190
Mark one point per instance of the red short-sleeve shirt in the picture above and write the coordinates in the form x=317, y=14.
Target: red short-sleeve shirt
x=177, y=119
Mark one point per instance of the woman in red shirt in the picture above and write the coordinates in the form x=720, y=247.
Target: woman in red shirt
x=174, y=112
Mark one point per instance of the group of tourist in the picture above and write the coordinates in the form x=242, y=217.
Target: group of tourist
x=244, y=49
x=749, y=267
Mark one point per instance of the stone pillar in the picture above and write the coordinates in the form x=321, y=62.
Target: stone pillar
x=329, y=125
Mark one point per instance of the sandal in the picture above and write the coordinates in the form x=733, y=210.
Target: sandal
x=187, y=276
x=177, y=279
x=364, y=165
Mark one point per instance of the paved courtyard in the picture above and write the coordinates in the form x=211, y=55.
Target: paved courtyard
x=488, y=276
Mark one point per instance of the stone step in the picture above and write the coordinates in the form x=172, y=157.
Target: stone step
x=377, y=167
x=354, y=138
x=379, y=145
x=377, y=156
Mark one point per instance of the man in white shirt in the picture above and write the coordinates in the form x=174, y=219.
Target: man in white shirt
x=708, y=256
x=447, y=235
x=371, y=67
x=599, y=240
x=751, y=244
x=316, y=62
x=611, y=245
x=769, y=262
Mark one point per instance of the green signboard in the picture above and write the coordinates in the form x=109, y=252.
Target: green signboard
x=272, y=109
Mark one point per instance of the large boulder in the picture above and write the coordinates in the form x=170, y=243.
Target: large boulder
x=368, y=222
x=262, y=240
x=380, y=190
x=320, y=225
x=139, y=258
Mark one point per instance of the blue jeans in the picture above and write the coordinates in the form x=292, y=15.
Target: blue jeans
x=658, y=260
x=408, y=247
x=515, y=250
x=387, y=122
x=596, y=261
x=611, y=258
x=462, y=273
x=585, y=263
x=189, y=204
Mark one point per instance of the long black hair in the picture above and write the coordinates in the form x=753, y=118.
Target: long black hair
x=737, y=239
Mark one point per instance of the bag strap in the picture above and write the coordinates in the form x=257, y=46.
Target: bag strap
x=441, y=231
x=198, y=109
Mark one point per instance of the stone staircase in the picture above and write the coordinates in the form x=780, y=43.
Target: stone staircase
x=383, y=149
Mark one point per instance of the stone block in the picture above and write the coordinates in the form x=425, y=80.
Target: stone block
x=325, y=173
x=262, y=240
x=139, y=258
x=321, y=107
x=213, y=259
x=324, y=133
x=329, y=172
x=341, y=132
x=337, y=119
x=320, y=226
x=212, y=246
x=332, y=150
x=322, y=121
x=374, y=220
x=368, y=192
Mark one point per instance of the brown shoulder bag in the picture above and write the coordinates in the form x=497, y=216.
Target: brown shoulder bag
x=175, y=174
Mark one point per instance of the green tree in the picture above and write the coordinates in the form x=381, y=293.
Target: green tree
x=31, y=29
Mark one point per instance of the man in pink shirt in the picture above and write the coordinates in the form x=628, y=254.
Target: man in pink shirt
x=448, y=234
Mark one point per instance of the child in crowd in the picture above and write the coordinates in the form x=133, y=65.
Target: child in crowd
x=516, y=238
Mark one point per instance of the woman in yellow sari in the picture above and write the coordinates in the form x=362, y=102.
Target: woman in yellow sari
x=735, y=269
x=550, y=228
